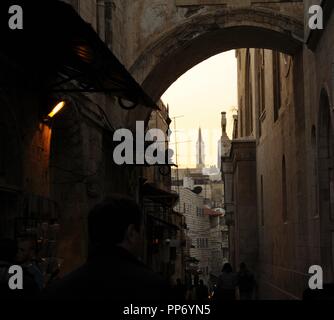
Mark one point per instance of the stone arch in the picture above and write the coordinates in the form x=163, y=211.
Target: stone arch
x=203, y=36
x=326, y=183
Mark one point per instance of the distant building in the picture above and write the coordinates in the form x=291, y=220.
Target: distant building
x=197, y=234
x=201, y=192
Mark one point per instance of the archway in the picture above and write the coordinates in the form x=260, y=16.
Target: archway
x=185, y=46
x=326, y=185
x=176, y=51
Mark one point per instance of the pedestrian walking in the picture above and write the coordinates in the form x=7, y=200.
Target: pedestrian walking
x=226, y=289
x=202, y=291
x=246, y=283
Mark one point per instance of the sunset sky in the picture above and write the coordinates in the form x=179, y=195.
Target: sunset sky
x=199, y=96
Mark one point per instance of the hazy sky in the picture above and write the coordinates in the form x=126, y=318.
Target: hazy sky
x=200, y=95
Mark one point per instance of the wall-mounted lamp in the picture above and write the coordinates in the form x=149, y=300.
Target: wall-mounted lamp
x=126, y=104
x=55, y=110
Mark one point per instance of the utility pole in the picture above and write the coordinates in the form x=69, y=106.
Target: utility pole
x=178, y=192
x=176, y=157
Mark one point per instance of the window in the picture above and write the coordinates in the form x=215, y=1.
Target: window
x=276, y=83
x=262, y=83
x=206, y=243
x=331, y=192
x=108, y=24
x=261, y=88
x=315, y=197
x=262, y=202
x=2, y=150
x=325, y=160
x=332, y=245
x=249, y=96
x=241, y=123
x=224, y=235
x=284, y=192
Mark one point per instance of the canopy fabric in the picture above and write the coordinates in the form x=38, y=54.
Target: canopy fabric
x=56, y=43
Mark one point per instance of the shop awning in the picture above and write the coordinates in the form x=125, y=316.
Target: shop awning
x=152, y=192
x=56, y=43
x=163, y=222
x=212, y=213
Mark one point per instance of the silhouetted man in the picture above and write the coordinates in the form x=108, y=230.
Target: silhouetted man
x=113, y=270
x=227, y=285
x=246, y=283
x=179, y=291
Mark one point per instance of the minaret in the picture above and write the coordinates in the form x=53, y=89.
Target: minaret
x=224, y=143
x=200, y=151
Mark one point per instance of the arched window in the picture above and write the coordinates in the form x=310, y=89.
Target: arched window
x=261, y=88
x=325, y=160
x=326, y=185
x=315, y=201
x=262, y=202
x=248, y=96
x=284, y=193
x=276, y=83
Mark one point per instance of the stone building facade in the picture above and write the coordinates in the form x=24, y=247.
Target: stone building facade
x=218, y=243
x=191, y=205
x=53, y=172
x=281, y=159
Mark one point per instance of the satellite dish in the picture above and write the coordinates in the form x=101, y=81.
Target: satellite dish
x=197, y=190
x=220, y=210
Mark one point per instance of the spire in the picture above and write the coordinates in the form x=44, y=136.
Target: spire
x=224, y=144
x=224, y=123
x=200, y=150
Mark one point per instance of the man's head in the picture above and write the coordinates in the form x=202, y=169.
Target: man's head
x=227, y=268
x=117, y=221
